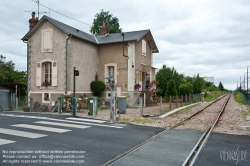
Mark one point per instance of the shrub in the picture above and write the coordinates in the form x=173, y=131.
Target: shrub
x=97, y=86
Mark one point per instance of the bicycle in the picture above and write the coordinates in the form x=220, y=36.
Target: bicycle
x=38, y=108
x=67, y=108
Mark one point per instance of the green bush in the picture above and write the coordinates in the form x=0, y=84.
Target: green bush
x=171, y=88
x=240, y=98
x=97, y=86
x=186, y=89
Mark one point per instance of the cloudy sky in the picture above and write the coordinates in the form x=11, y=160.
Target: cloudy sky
x=209, y=37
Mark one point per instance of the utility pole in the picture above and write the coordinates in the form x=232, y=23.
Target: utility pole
x=76, y=73
x=240, y=84
x=247, y=87
x=244, y=82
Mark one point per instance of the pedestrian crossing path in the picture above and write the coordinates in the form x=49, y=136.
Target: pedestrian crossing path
x=4, y=141
x=50, y=129
x=49, y=125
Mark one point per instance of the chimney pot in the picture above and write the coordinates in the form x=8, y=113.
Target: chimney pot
x=33, y=21
x=104, y=30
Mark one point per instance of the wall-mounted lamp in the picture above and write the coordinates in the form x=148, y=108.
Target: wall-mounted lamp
x=133, y=65
x=137, y=72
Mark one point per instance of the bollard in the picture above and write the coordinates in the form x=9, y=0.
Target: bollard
x=177, y=101
x=141, y=107
x=170, y=102
x=160, y=105
x=182, y=100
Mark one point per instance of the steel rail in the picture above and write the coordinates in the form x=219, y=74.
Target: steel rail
x=203, y=139
x=159, y=134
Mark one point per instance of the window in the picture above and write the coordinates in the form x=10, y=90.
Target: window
x=110, y=69
x=46, y=73
x=144, y=47
x=47, y=40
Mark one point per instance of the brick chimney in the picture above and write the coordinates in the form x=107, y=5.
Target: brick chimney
x=33, y=20
x=104, y=30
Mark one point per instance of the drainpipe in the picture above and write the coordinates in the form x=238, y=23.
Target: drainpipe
x=66, y=89
x=27, y=86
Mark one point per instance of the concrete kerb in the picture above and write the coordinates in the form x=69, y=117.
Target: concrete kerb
x=176, y=110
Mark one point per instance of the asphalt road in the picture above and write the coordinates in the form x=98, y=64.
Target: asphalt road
x=170, y=149
x=33, y=139
x=225, y=150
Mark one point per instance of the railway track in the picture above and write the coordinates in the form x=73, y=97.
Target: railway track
x=203, y=139
x=193, y=153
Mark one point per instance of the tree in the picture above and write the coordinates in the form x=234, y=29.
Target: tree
x=111, y=22
x=198, y=84
x=8, y=74
x=97, y=86
x=171, y=88
x=164, y=75
x=221, y=86
x=186, y=89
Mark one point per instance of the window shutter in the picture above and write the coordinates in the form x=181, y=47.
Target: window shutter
x=143, y=47
x=47, y=40
x=54, y=74
x=42, y=45
x=38, y=74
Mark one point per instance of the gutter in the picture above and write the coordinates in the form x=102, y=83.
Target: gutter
x=66, y=83
x=27, y=79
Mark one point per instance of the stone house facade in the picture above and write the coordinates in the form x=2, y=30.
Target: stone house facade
x=54, y=49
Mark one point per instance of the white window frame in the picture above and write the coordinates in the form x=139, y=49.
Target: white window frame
x=43, y=97
x=47, y=72
x=41, y=72
x=107, y=72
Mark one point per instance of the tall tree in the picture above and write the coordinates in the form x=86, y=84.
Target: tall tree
x=8, y=73
x=198, y=84
x=186, y=89
x=171, y=88
x=111, y=22
x=163, y=76
x=221, y=86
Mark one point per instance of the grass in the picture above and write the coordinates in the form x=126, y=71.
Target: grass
x=188, y=108
x=138, y=120
x=166, y=111
x=240, y=98
x=245, y=113
x=210, y=96
x=248, y=128
x=142, y=120
x=103, y=107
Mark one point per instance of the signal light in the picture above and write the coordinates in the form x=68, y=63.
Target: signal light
x=76, y=72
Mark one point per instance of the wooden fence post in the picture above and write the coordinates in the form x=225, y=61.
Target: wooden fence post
x=170, y=101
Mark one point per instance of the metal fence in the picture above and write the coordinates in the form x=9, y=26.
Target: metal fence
x=4, y=99
x=7, y=99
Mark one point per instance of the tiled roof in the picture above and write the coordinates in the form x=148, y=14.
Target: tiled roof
x=109, y=38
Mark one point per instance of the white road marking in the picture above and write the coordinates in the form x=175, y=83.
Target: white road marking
x=21, y=133
x=87, y=120
x=51, y=129
x=63, y=124
x=61, y=120
x=5, y=141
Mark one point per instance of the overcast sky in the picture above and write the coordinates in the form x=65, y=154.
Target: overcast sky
x=209, y=37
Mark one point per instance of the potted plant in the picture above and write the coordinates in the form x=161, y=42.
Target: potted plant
x=137, y=86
